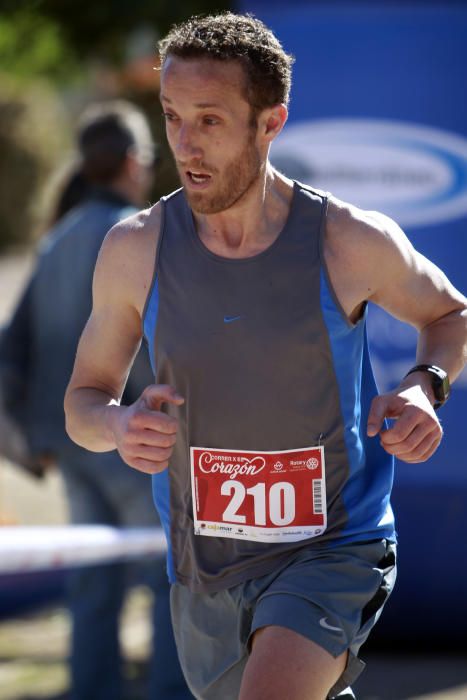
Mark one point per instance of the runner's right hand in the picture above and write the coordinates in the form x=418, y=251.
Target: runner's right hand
x=144, y=435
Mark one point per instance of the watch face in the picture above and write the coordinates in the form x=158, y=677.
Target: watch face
x=440, y=383
x=446, y=388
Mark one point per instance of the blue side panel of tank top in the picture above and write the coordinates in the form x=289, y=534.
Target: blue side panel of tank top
x=381, y=463
x=367, y=491
x=160, y=482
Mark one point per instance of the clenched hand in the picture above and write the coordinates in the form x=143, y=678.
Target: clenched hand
x=144, y=435
x=416, y=433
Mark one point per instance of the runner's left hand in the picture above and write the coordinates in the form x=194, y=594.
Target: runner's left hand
x=416, y=432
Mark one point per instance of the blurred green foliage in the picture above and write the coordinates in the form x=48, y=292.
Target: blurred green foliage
x=90, y=28
x=46, y=50
x=32, y=46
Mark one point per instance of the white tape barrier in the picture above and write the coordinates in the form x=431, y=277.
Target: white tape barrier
x=32, y=548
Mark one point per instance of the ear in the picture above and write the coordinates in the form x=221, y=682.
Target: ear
x=272, y=120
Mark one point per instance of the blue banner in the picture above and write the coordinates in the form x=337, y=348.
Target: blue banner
x=378, y=117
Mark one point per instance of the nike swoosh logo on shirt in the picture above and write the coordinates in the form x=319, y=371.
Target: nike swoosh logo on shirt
x=229, y=319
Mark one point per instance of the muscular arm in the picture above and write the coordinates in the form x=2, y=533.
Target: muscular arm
x=370, y=258
x=414, y=290
x=95, y=419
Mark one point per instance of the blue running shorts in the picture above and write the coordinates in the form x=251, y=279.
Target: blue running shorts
x=331, y=595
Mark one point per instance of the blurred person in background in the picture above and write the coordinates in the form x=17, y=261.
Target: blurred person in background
x=37, y=350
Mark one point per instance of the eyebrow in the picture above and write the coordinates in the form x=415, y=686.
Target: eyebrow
x=198, y=105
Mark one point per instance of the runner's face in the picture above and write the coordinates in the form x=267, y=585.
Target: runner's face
x=209, y=130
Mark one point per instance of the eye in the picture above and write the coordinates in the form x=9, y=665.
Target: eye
x=169, y=117
x=211, y=121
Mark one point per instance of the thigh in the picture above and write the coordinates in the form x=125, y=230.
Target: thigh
x=331, y=597
x=284, y=664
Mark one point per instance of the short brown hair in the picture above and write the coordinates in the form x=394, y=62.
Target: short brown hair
x=243, y=38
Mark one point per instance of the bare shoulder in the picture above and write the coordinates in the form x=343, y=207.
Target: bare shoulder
x=369, y=257
x=349, y=227
x=127, y=256
x=355, y=243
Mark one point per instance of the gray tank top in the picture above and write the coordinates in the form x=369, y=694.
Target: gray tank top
x=246, y=343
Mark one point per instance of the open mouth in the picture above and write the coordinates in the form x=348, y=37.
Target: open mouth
x=198, y=178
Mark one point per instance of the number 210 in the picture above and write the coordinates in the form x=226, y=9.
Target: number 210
x=281, y=502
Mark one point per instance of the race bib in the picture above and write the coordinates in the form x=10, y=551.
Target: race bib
x=262, y=496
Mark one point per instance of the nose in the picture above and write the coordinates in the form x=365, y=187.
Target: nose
x=186, y=145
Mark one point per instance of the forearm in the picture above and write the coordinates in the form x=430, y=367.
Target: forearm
x=444, y=343
x=90, y=418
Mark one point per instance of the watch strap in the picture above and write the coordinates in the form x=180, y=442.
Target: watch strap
x=439, y=382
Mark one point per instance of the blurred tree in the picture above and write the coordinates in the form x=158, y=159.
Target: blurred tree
x=33, y=137
x=33, y=46
x=93, y=28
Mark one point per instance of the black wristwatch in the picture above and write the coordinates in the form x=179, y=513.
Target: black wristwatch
x=439, y=382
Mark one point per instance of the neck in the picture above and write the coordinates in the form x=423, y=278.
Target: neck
x=253, y=223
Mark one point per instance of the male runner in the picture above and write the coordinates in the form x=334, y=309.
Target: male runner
x=272, y=464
